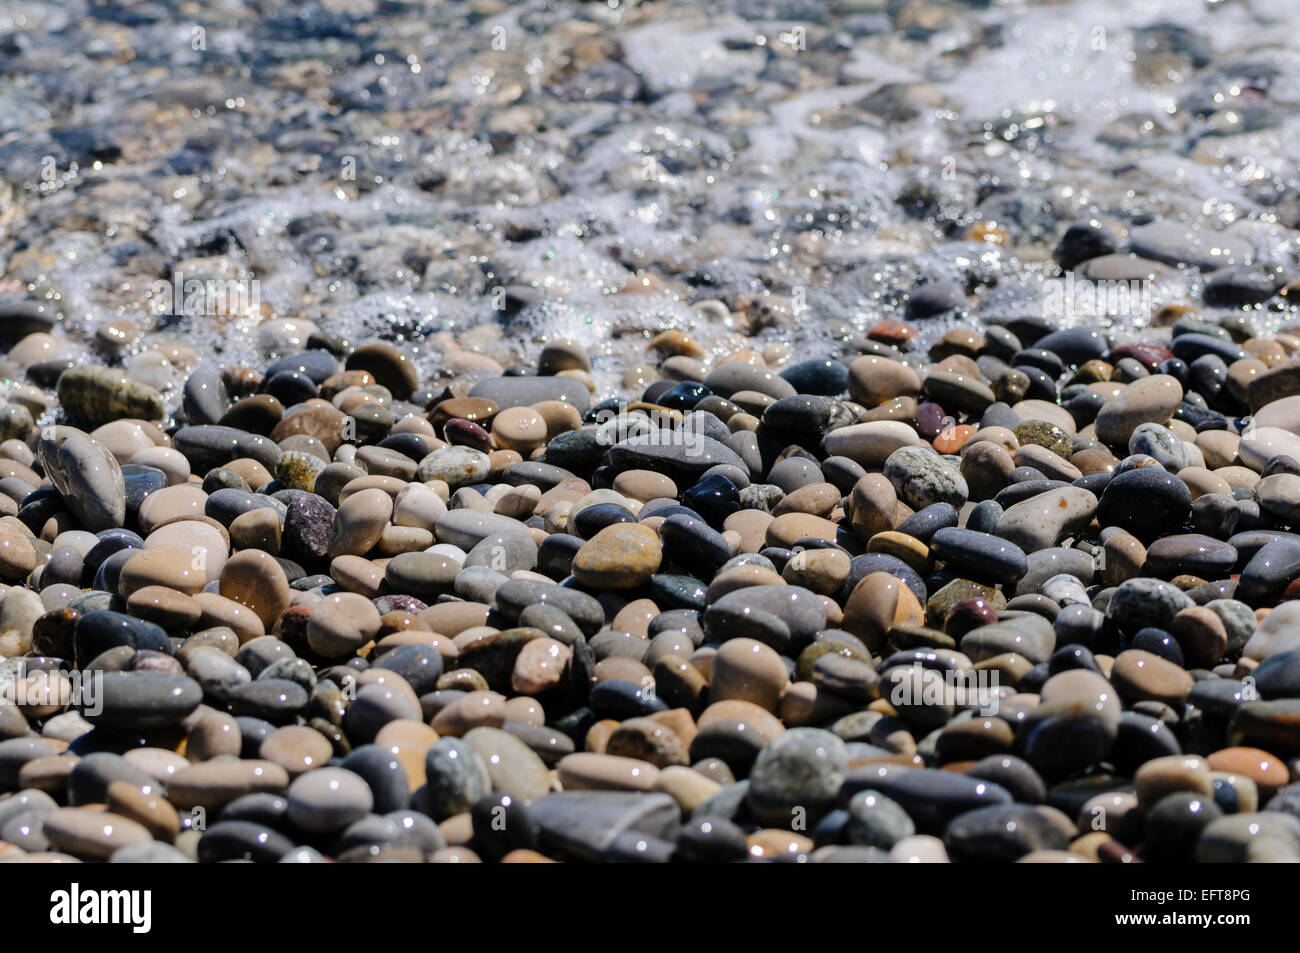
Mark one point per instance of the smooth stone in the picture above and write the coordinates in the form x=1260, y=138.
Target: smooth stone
x=456, y=777
x=620, y=556
x=1139, y=675
x=800, y=770
x=526, y=391
x=1190, y=553
x=144, y=701
x=328, y=799
x=783, y=617
x=1143, y=602
x=870, y=444
x=876, y=821
x=210, y=446
x=86, y=475
x=748, y=670
x=930, y=797
x=1146, y=502
x=979, y=555
x=1002, y=833
x=584, y=825
x=1150, y=399
x=680, y=455
x=1040, y=521
x=91, y=834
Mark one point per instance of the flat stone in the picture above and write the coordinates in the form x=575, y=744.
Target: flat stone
x=144, y=701
x=584, y=825
x=1002, y=833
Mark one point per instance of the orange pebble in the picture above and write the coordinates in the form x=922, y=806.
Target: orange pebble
x=954, y=438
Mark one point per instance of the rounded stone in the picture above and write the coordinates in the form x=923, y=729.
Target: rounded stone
x=328, y=799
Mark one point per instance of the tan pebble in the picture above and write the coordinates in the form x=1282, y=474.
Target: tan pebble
x=751, y=526
x=635, y=617
x=540, y=666
x=167, y=566
x=259, y=528
x=388, y=484
x=17, y=555
x=174, y=611
x=872, y=503
x=1142, y=676
x=255, y=579
x=785, y=530
x=824, y=571
x=525, y=711
x=644, y=485
x=688, y=788
x=1219, y=447
x=474, y=710
x=396, y=540
x=879, y=602
x=598, y=735
x=359, y=522
x=171, y=462
x=357, y=574
x=519, y=428
x=817, y=499
x=217, y=610
x=214, y=734
x=559, y=417
x=769, y=843
x=296, y=748
x=204, y=540
x=874, y=379
x=1170, y=774
x=452, y=618
x=146, y=807
x=170, y=503
x=92, y=834
x=586, y=771
x=124, y=439
x=621, y=556
x=49, y=774
x=1124, y=557
x=518, y=502
x=618, y=668
x=747, y=713
x=750, y=671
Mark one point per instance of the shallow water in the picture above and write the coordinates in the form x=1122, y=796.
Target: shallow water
x=397, y=170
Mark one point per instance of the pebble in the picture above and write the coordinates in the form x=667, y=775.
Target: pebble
x=621, y=556
x=327, y=799
x=1041, y=520
x=922, y=479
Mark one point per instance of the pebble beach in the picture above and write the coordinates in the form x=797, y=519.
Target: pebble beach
x=787, y=431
